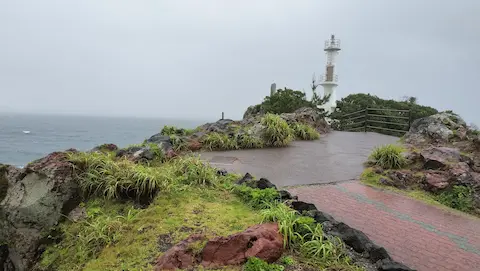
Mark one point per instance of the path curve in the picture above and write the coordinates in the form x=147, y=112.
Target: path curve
x=337, y=156
x=421, y=236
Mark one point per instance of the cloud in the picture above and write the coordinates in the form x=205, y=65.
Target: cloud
x=195, y=59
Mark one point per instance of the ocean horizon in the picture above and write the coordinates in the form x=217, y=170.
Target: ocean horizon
x=26, y=137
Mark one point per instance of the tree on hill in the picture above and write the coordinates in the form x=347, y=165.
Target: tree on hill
x=356, y=102
x=288, y=100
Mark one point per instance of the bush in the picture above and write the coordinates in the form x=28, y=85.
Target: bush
x=257, y=198
x=459, y=197
x=172, y=130
x=388, y=157
x=218, y=141
x=305, y=132
x=277, y=132
x=256, y=264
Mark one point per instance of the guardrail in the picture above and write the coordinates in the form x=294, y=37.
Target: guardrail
x=386, y=121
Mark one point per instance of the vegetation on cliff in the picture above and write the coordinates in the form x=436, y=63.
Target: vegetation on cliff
x=439, y=162
x=132, y=213
x=383, y=118
x=287, y=101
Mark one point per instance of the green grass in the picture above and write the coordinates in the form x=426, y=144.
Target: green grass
x=113, y=239
x=277, y=132
x=458, y=197
x=305, y=132
x=104, y=175
x=256, y=264
x=217, y=141
x=172, y=130
x=247, y=141
x=388, y=156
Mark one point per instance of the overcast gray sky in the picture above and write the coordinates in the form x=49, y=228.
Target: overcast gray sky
x=195, y=59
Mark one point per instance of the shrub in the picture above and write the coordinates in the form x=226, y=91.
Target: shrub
x=305, y=132
x=388, y=157
x=257, y=198
x=247, y=141
x=277, y=132
x=459, y=197
x=256, y=264
x=218, y=141
x=169, y=130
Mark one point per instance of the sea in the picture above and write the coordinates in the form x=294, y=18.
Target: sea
x=24, y=138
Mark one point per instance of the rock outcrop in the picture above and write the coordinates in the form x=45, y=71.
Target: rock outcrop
x=443, y=152
x=438, y=128
x=262, y=241
x=37, y=198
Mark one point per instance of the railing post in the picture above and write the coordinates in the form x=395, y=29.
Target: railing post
x=366, y=118
x=409, y=119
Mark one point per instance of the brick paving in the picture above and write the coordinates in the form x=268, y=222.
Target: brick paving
x=421, y=236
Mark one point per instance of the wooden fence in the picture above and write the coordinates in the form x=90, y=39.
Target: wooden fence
x=386, y=121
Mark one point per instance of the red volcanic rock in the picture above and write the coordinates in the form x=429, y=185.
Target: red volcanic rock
x=180, y=256
x=261, y=241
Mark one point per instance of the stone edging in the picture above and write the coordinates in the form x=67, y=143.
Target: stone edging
x=356, y=239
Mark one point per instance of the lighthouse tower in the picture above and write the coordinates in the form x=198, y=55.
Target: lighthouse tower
x=330, y=80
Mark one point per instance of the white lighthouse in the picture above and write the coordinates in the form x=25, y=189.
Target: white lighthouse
x=329, y=80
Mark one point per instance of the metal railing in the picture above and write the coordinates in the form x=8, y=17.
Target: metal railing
x=323, y=78
x=382, y=120
x=332, y=44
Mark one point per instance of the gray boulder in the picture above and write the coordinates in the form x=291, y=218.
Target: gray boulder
x=37, y=198
x=440, y=128
x=161, y=140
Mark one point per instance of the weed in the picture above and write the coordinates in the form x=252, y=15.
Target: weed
x=459, y=197
x=305, y=132
x=218, y=141
x=388, y=156
x=277, y=132
x=256, y=264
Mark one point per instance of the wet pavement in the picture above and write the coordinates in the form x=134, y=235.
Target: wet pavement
x=337, y=156
x=421, y=236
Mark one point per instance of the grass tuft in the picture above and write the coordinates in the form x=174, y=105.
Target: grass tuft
x=388, y=156
x=305, y=132
x=277, y=132
x=218, y=141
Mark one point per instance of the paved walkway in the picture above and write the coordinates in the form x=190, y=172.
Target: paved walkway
x=421, y=236
x=337, y=156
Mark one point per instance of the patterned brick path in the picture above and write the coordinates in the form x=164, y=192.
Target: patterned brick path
x=421, y=236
